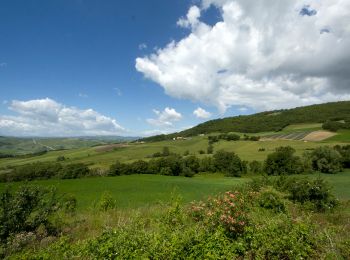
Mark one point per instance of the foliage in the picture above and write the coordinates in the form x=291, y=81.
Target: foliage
x=326, y=160
x=229, y=163
x=334, y=126
x=283, y=161
x=255, y=167
x=271, y=200
x=228, y=211
x=315, y=194
x=27, y=209
x=73, y=171
x=344, y=151
x=106, y=202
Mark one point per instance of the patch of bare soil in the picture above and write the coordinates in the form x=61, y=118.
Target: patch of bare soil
x=318, y=136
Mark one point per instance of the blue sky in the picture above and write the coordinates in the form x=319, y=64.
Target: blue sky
x=111, y=62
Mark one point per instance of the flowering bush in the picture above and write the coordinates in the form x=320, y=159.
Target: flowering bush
x=228, y=210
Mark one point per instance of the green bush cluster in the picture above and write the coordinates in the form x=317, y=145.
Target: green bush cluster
x=45, y=170
x=323, y=159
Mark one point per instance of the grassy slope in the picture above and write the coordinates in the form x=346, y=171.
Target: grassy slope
x=247, y=150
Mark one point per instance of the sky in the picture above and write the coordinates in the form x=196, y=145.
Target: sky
x=139, y=68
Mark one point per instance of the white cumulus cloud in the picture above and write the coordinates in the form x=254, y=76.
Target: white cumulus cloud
x=46, y=117
x=165, y=118
x=201, y=113
x=262, y=54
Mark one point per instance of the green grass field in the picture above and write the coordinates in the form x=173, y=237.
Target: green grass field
x=135, y=191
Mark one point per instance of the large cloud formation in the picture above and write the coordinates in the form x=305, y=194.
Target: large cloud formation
x=263, y=54
x=46, y=117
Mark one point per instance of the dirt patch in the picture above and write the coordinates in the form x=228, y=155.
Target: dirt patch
x=110, y=147
x=318, y=136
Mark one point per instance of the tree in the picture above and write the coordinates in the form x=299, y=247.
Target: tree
x=283, y=161
x=191, y=162
x=229, y=163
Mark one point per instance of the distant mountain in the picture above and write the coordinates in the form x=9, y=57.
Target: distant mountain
x=28, y=145
x=267, y=121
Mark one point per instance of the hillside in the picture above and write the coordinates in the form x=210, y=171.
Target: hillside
x=270, y=121
x=21, y=146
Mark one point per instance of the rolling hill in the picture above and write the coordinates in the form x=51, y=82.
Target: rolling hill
x=270, y=121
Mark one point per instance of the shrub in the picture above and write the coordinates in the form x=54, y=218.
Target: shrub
x=316, y=193
x=201, y=152
x=228, y=211
x=26, y=209
x=326, y=160
x=255, y=167
x=106, y=202
x=271, y=200
x=73, y=171
x=187, y=172
x=117, y=169
x=344, y=151
x=333, y=126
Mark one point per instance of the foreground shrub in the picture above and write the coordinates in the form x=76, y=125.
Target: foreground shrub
x=326, y=160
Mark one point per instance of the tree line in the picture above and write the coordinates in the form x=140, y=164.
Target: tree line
x=282, y=161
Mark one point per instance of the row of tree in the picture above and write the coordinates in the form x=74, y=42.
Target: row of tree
x=176, y=165
x=281, y=162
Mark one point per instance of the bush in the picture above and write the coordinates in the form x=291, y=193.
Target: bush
x=316, y=194
x=229, y=163
x=344, y=151
x=73, y=171
x=271, y=200
x=106, y=202
x=228, y=211
x=255, y=167
x=326, y=160
x=27, y=209
x=333, y=126
x=283, y=161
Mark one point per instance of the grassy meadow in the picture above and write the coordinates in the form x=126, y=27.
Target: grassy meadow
x=136, y=191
